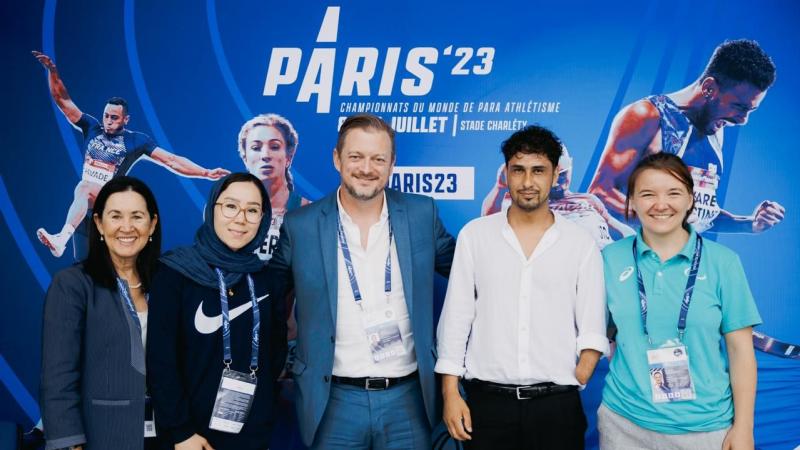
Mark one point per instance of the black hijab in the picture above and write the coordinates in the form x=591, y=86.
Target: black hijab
x=197, y=262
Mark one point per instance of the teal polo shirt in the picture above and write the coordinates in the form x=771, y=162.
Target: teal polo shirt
x=721, y=303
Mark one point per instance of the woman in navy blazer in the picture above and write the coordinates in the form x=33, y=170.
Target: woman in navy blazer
x=95, y=324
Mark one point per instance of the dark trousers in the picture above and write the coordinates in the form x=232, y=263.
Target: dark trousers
x=544, y=423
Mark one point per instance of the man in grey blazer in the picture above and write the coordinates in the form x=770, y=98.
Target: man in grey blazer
x=362, y=264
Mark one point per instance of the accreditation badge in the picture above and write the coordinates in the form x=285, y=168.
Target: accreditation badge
x=149, y=418
x=670, y=377
x=383, y=333
x=234, y=399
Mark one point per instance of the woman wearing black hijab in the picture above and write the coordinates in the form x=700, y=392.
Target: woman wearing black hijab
x=217, y=338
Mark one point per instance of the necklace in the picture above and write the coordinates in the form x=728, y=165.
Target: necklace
x=135, y=286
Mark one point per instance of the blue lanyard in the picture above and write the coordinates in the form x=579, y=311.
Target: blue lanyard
x=351, y=271
x=226, y=324
x=123, y=292
x=687, y=293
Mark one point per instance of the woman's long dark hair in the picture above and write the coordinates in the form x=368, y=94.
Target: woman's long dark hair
x=98, y=263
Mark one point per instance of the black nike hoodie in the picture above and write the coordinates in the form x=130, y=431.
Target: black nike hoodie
x=184, y=356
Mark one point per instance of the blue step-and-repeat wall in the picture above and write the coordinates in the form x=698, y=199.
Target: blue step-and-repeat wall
x=453, y=78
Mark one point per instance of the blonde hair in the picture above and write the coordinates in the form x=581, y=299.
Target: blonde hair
x=281, y=124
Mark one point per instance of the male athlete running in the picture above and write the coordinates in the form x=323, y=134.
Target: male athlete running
x=690, y=123
x=110, y=150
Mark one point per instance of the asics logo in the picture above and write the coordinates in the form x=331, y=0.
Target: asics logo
x=626, y=273
x=208, y=325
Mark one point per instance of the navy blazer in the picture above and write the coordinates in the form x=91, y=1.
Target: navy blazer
x=93, y=369
x=307, y=259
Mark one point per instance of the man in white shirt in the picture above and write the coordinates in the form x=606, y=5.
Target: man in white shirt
x=362, y=261
x=523, y=321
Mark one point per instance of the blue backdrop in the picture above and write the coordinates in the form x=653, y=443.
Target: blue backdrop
x=194, y=71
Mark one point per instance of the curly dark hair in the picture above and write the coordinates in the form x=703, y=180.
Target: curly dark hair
x=533, y=139
x=738, y=61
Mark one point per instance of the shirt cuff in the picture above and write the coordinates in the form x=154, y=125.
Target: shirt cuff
x=754, y=322
x=593, y=341
x=449, y=368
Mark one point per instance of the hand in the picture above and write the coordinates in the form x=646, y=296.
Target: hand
x=196, y=442
x=739, y=438
x=766, y=215
x=501, y=177
x=216, y=174
x=44, y=60
x=456, y=416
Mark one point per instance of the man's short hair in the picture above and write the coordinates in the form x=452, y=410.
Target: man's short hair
x=121, y=102
x=366, y=122
x=738, y=61
x=533, y=139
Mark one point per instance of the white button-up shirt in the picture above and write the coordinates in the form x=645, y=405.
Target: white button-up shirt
x=352, y=356
x=515, y=320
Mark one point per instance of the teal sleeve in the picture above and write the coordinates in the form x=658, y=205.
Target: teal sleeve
x=738, y=306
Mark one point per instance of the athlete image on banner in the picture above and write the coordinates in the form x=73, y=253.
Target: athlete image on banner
x=110, y=150
x=585, y=209
x=691, y=123
x=267, y=144
x=175, y=83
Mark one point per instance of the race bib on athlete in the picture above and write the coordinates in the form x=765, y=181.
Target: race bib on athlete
x=98, y=172
x=383, y=333
x=234, y=399
x=706, y=209
x=670, y=378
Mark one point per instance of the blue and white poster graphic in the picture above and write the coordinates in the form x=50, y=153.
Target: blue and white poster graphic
x=209, y=87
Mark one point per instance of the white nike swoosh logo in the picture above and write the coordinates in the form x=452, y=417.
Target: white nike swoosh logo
x=208, y=325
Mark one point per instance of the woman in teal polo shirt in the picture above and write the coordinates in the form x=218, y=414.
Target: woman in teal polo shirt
x=673, y=297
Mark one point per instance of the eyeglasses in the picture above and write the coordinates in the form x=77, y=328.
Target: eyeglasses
x=230, y=210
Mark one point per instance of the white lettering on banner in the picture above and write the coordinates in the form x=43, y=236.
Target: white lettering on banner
x=320, y=67
x=360, y=67
x=442, y=183
x=411, y=124
x=358, y=78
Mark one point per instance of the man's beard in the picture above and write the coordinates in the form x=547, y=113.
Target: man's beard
x=702, y=120
x=529, y=206
x=361, y=196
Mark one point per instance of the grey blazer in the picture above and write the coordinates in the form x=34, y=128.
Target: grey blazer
x=93, y=373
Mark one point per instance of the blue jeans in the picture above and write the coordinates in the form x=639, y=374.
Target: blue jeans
x=356, y=418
